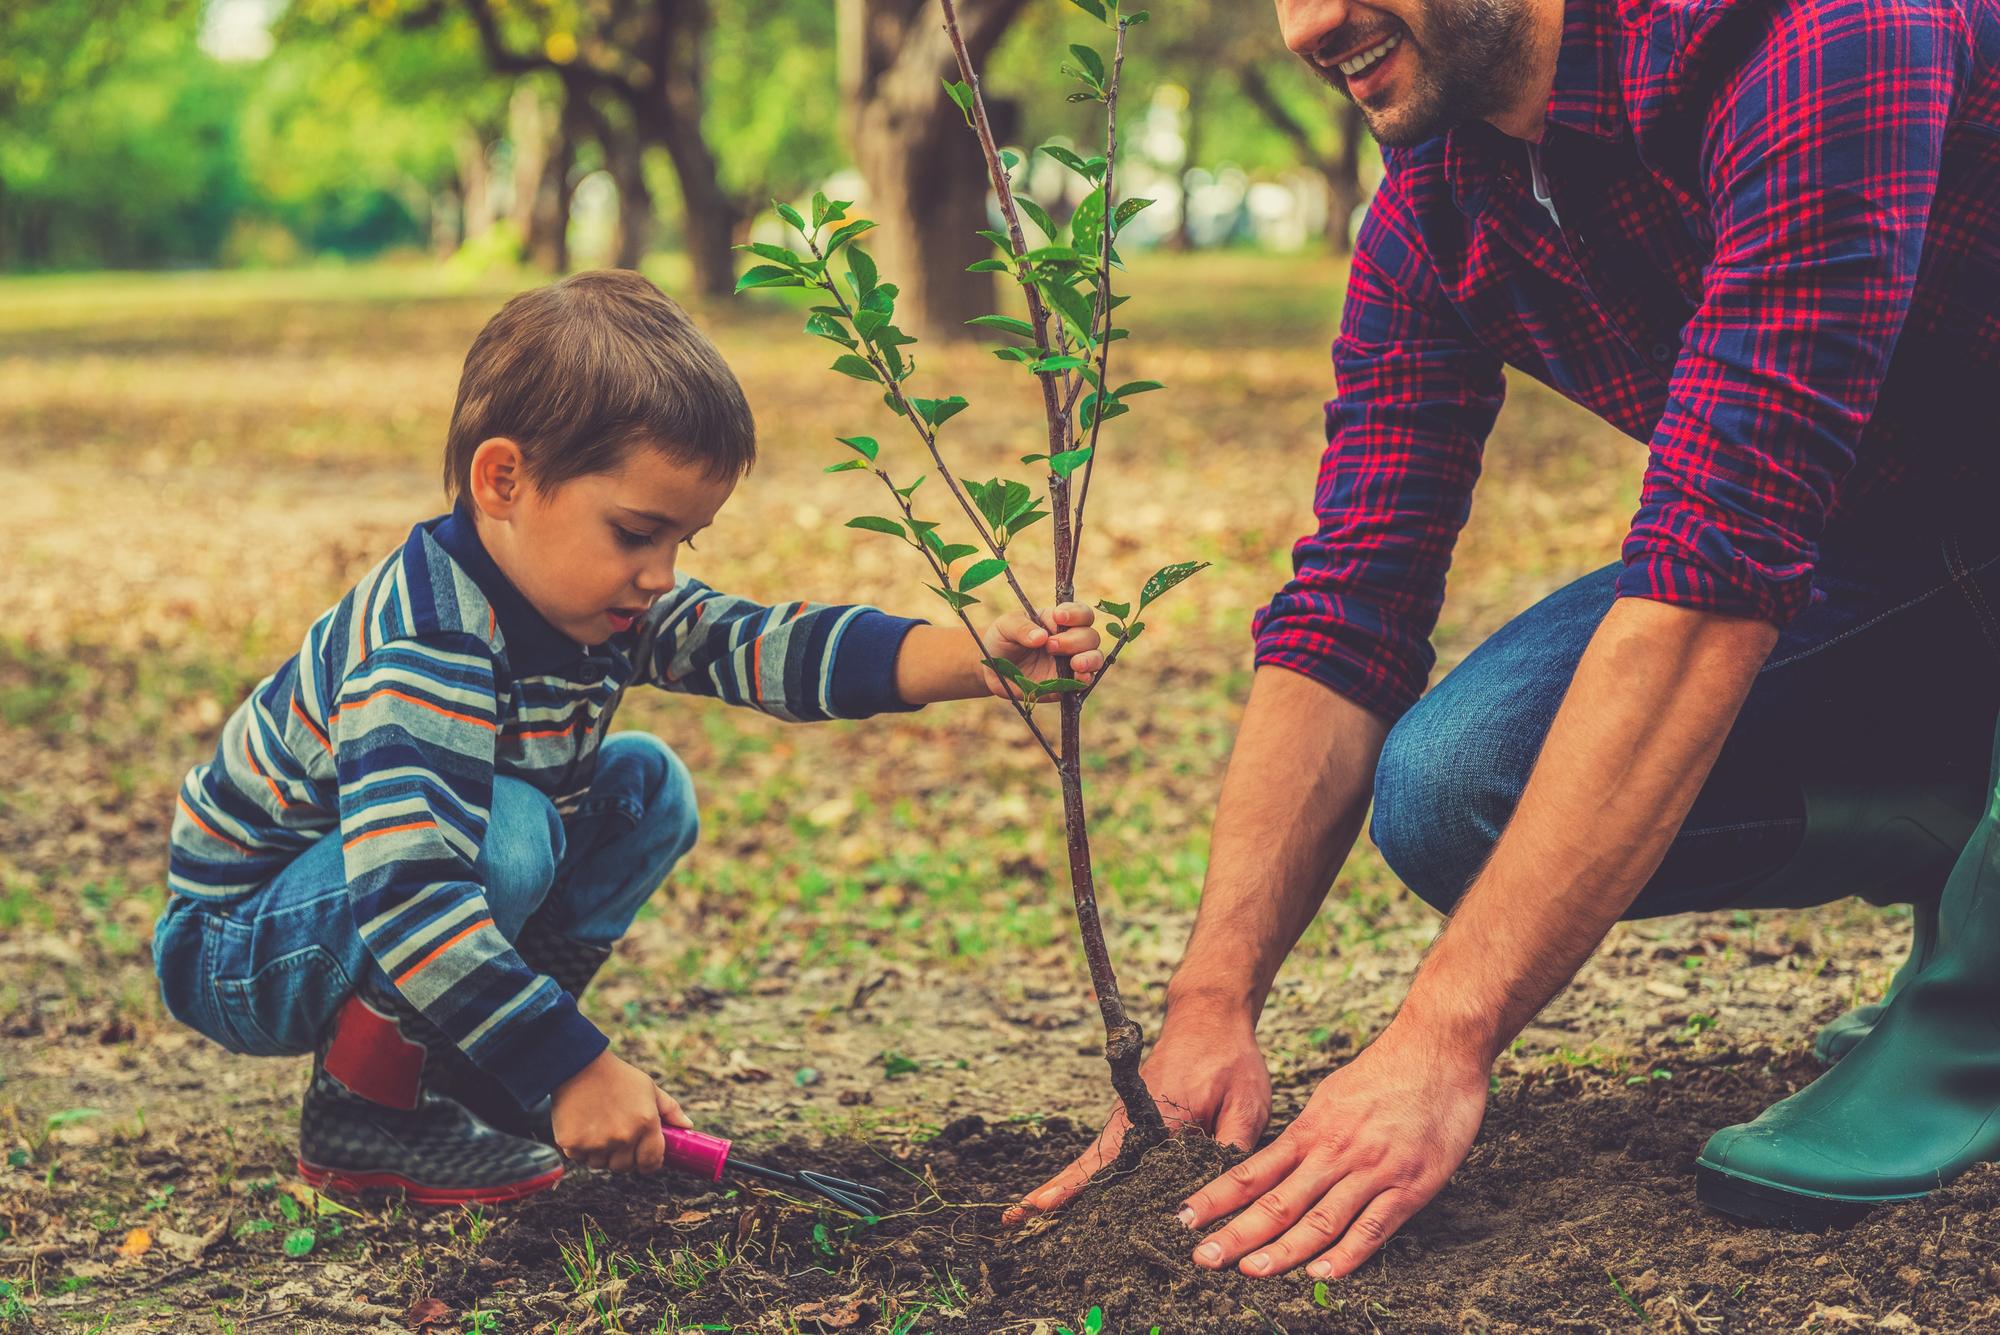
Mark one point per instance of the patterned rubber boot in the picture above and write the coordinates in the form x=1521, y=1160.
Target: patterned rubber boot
x=573, y=964
x=1916, y=1102
x=370, y=1123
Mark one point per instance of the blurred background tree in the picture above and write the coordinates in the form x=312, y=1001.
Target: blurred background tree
x=550, y=133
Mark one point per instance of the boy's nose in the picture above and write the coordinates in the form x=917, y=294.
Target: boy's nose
x=656, y=578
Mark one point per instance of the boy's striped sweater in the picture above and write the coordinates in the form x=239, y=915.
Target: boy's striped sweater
x=429, y=678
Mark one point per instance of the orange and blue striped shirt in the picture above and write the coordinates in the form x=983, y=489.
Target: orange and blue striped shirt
x=431, y=677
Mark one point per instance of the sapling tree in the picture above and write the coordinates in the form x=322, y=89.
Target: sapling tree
x=1065, y=346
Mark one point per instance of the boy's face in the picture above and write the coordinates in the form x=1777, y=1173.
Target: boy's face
x=591, y=553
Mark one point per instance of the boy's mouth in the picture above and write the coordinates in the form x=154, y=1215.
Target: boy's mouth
x=624, y=618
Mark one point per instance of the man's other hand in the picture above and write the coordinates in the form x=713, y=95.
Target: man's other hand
x=1205, y=1072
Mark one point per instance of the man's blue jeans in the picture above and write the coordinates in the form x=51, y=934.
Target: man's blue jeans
x=1893, y=678
x=266, y=974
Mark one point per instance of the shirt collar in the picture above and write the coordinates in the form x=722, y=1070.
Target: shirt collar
x=532, y=645
x=1584, y=97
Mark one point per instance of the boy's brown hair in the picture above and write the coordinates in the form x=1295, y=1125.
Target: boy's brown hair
x=580, y=371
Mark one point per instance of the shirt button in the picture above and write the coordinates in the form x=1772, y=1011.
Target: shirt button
x=1662, y=353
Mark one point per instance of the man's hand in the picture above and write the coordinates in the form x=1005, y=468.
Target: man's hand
x=1378, y=1139
x=1066, y=633
x=608, y=1115
x=1205, y=1072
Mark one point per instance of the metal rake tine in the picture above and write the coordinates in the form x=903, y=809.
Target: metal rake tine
x=839, y=1197
x=852, y=1188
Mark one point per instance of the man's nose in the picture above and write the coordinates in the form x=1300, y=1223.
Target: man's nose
x=1306, y=24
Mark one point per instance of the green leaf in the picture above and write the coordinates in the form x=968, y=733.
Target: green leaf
x=1136, y=17
x=1006, y=324
x=868, y=324
x=819, y=207
x=768, y=275
x=791, y=215
x=1136, y=387
x=865, y=446
x=1074, y=308
x=1067, y=158
x=1009, y=159
x=1086, y=225
x=861, y=267
x=911, y=490
x=961, y=93
x=877, y=524
x=1053, y=255
x=1062, y=465
x=1063, y=363
x=1026, y=519
x=1093, y=415
x=1039, y=215
x=1093, y=64
x=1115, y=609
x=829, y=328
x=1128, y=210
x=1000, y=239
x=956, y=551
x=844, y=466
x=847, y=234
x=856, y=367
x=959, y=601
x=1011, y=354
x=1033, y=458
x=1094, y=8
x=1059, y=686
x=1166, y=577
x=982, y=572
x=1010, y=672
x=300, y=1241
x=895, y=1064
x=767, y=251
x=988, y=266
x=289, y=1208
x=939, y=411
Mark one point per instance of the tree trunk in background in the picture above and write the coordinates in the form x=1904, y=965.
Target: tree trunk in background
x=1183, y=237
x=545, y=238
x=474, y=185
x=926, y=181
x=1341, y=168
x=625, y=160
x=672, y=119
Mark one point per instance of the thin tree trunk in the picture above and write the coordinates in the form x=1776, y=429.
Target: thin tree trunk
x=625, y=159
x=474, y=184
x=545, y=240
x=709, y=217
x=1183, y=237
x=1341, y=170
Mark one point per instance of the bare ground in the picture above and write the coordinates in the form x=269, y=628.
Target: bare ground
x=872, y=945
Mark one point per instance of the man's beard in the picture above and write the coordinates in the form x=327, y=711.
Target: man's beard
x=1469, y=66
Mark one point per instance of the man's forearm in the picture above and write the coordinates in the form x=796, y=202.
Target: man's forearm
x=1652, y=701
x=1292, y=803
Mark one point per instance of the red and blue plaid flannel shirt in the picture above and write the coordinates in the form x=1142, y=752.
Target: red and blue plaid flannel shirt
x=1778, y=264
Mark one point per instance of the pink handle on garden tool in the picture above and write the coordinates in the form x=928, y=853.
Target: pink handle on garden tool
x=693, y=1152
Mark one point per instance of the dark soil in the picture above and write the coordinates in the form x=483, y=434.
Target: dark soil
x=1576, y=1210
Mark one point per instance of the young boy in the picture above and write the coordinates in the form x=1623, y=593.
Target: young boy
x=417, y=843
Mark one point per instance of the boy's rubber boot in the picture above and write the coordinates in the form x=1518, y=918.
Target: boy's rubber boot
x=1838, y=1036
x=371, y=1122
x=1893, y=845
x=573, y=964
x=1914, y=1103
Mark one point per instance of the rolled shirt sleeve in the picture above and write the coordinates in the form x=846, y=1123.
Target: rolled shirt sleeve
x=1415, y=396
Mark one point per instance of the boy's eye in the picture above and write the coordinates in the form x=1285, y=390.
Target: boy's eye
x=627, y=538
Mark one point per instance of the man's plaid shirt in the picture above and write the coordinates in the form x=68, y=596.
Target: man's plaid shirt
x=1778, y=264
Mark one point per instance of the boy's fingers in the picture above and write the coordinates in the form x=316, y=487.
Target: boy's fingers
x=651, y=1155
x=1074, y=614
x=670, y=1110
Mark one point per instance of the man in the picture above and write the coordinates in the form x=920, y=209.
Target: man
x=1762, y=236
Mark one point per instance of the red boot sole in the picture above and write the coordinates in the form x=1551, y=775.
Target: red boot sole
x=335, y=1179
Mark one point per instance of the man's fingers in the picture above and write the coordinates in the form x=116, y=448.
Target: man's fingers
x=1073, y=614
x=1241, y=1123
x=1317, y=1229
x=1274, y=1209
x=1365, y=1236
x=1057, y=1191
x=1242, y=1183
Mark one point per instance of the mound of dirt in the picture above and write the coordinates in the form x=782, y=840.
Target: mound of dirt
x=1575, y=1210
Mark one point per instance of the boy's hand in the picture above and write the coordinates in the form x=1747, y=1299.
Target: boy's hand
x=1034, y=649
x=608, y=1115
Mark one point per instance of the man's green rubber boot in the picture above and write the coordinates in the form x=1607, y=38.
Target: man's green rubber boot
x=1912, y=1105
x=1838, y=1036
x=1888, y=846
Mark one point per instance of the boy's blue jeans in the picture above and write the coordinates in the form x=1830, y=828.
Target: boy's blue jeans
x=1892, y=679
x=265, y=975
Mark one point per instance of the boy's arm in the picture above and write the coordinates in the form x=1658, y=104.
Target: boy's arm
x=797, y=661
x=414, y=737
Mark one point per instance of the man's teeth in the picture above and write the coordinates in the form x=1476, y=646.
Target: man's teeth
x=1374, y=53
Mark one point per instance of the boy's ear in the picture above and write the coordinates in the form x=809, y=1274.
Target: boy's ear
x=499, y=480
